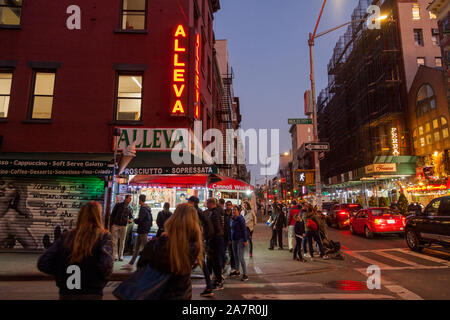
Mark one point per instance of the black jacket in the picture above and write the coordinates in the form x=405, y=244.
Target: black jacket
x=145, y=220
x=161, y=219
x=226, y=226
x=179, y=286
x=278, y=218
x=205, y=224
x=299, y=228
x=121, y=213
x=95, y=270
x=217, y=221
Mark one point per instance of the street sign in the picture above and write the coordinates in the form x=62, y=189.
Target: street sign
x=300, y=121
x=317, y=146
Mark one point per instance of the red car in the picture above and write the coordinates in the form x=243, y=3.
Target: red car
x=341, y=214
x=373, y=221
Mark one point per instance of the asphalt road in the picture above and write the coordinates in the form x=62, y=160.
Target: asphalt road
x=275, y=275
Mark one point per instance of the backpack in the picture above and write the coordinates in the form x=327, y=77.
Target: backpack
x=311, y=225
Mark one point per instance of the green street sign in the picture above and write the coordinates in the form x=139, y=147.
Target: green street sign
x=300, y=121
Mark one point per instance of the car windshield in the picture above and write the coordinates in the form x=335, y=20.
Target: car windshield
x=353, y=207
x=383, y=212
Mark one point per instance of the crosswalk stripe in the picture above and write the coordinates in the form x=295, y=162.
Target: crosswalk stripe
x=399, y=259
x=423, y=256
x=258, y=270
x=404, y=293
x=263, y=285
x=317, y=296
x=367, y=260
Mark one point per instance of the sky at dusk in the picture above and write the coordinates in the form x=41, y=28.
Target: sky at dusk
x=267, y=43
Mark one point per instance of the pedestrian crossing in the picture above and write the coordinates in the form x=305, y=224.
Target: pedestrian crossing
x=396, y=259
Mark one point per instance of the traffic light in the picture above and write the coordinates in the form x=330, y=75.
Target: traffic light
x=276, y=190
x=295, y=191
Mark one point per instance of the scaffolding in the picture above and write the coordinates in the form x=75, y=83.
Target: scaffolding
x=366, y=92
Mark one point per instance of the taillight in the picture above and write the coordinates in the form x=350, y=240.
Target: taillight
x=379, y=221
x=343, y=213
x=404, y=221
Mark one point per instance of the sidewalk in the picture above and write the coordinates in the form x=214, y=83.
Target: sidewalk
x=23, y=266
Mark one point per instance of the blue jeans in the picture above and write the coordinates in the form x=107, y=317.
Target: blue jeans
x=239, y=249
x=314, y=235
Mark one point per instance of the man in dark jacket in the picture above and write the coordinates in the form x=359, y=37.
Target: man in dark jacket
x=144, y=222
x=215, y=245
x=207, y=230
x=121, y=216
x=278, y=223
x=162, y=217
x=227, y=233
x=226, y=229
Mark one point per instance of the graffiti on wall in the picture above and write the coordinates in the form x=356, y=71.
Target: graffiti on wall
x=34, y=213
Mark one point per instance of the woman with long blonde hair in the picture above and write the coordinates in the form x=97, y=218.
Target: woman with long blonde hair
x=84, y=255
x=176, y=252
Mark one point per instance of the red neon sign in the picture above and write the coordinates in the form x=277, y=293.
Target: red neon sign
x=197, y=77
x=179, y=71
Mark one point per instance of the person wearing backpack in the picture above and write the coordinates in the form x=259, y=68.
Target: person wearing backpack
x=144, y=222
x=207, y=231
x=162, y=217
x=312, y=232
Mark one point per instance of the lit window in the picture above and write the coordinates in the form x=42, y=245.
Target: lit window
x=134, y=14
x=5, y=92
x=435, y=124
x=420, y=131
x=418, y=37
x=416, y=11
x=10, y=12
x=421, y=61
x=422, y=142
x=426, y=100
x=42, y=97
x=129, y=97
x=437, y=136
x=445, y=133
x=416, y=144
x=435, y=37
x=438, y=62
x=415, y=133
x=443, y=121
x=432, y=15
x=427, y=127
x=429, y=140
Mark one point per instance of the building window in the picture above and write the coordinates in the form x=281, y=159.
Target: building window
x=445, y=133
x=42, y=95
x=435, y=124
x=422, y=142
x=416, y=11
x=429, y=140
x=426, y=100
x=432, y=15
x=418, y=37
x=134, y=14
x=129, y=97
x=435, y=36
x=420, y=131
x=10, y=12
x=5, y=92
x=438, y=62
x=443, y=121
x=427, y=127
x=416, y=144
x=421, y=61
x=437, y=137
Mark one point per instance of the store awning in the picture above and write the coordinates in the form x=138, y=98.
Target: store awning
x=231, y=184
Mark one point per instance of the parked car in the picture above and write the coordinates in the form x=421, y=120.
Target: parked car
x=372, y=221
x=431, y=226
x=415, y=208
x=340, y=215
x=327, y=206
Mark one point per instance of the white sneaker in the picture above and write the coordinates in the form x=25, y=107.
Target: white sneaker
x=307, y=255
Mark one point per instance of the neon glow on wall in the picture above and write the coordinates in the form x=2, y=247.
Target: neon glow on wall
x=197, y=77
x=179, y=71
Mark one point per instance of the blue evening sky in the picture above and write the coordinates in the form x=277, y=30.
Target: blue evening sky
x=267, y=43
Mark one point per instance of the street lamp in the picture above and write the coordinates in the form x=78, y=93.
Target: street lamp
x=312, y=37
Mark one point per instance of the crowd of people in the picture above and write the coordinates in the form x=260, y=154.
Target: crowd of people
x=304, y=224
x=186, y=239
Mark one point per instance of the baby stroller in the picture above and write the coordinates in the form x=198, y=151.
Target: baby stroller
x=331, y=248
